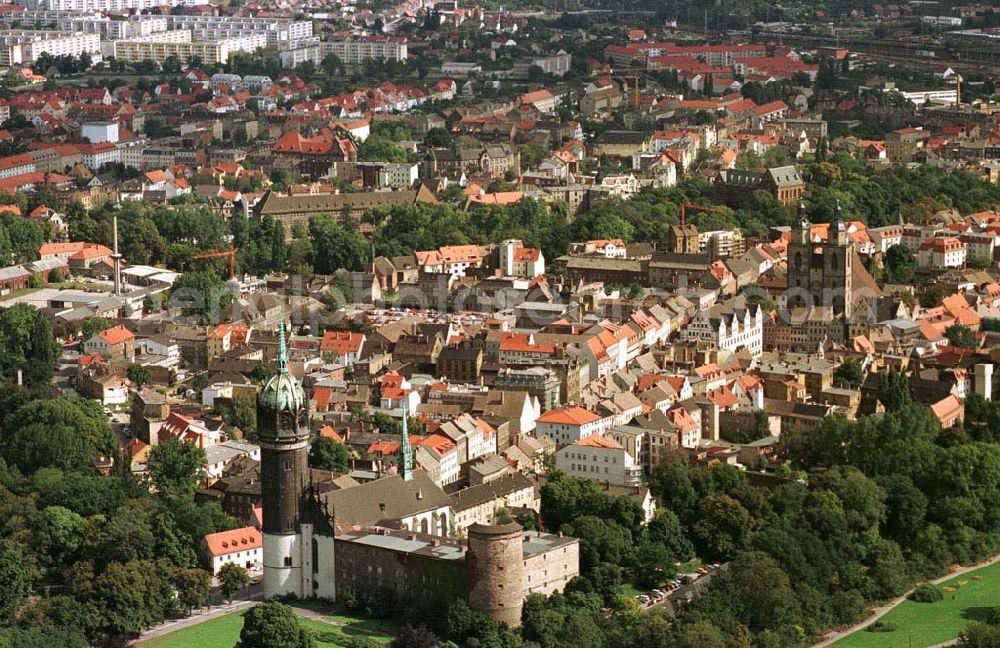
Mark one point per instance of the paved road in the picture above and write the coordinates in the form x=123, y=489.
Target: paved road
x=881, y=611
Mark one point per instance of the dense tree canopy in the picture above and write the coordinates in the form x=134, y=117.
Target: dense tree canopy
x=62, y=433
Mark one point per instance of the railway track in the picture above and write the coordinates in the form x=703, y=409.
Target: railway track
x=960, y=56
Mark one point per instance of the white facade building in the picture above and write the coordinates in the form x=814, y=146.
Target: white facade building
x=570, y=424
x=599, y=458
x=728, y=331
x=243, y=547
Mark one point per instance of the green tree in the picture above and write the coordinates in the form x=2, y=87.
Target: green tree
x=700, y=634
x=379, y=149
x=653, y=565
x=56, y=432
x=241, y=412
x=723, y=528
x=27, y=344
x=440, y=138
x=273, y=625
x=327, y=454
x=131, y=597
x=142, y=243
x=56, y=534
x=337, y=246
x=961, y=336
x=176, y=467
x=15, y=580
x=233, y=578
x=665, y=529
x=900, y=264
x=849, y=374
x=411, y=636
x=193, y=587
x=139, y=374
x=893, y=390
x=932, y=295
x=203, y=294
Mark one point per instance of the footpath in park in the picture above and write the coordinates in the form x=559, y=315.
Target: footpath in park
x=199, y=616
x=832, y=637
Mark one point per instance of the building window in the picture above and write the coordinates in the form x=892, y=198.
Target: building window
x=288, y=561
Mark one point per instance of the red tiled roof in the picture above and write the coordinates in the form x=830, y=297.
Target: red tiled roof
x=569, y=416
x=227, y=542
x=116, y=335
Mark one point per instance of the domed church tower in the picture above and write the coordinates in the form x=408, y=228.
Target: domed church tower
x=283, y=434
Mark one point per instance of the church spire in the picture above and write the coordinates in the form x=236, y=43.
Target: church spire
x=404, y=447
x=282, y=351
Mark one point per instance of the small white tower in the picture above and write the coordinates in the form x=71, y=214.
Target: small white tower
x=983, y=380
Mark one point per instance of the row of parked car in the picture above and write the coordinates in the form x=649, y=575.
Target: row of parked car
x=660, y=594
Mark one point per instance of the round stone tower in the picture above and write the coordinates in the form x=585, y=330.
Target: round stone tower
x=495, y=571
x=283, y=433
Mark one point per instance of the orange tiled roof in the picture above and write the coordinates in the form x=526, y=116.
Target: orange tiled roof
x=227, y=542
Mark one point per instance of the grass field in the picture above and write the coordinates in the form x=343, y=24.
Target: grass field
x=223, y=631
x=926, y=624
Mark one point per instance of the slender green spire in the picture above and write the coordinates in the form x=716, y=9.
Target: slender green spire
x=282, y=351
x=404, y=446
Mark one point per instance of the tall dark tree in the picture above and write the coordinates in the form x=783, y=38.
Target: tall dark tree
x=893, y=390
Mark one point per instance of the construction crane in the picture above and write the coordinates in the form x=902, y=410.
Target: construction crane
x=231, y=253
x=685, y=206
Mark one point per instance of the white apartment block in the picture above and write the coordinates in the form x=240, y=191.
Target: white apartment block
x=181, y=44
x=279, y=32
x=19, y=46
x=357, y=51
x=306, y=50
x=71, y=21
x=109, y=6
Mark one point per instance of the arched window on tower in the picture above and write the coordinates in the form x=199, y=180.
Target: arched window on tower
x=315, y=549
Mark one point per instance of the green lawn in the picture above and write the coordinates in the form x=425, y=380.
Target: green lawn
x=926, y=624
x=223, y=631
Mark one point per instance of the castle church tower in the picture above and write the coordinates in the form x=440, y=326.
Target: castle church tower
x=283, y=432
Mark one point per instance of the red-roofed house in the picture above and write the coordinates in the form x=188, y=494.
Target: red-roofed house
x=542, y=100
x=343, y=346
x=115, y=343
x=243, y=547
x=79, y=255
x=948, y=410
x=570, y=424
x=942, y=252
